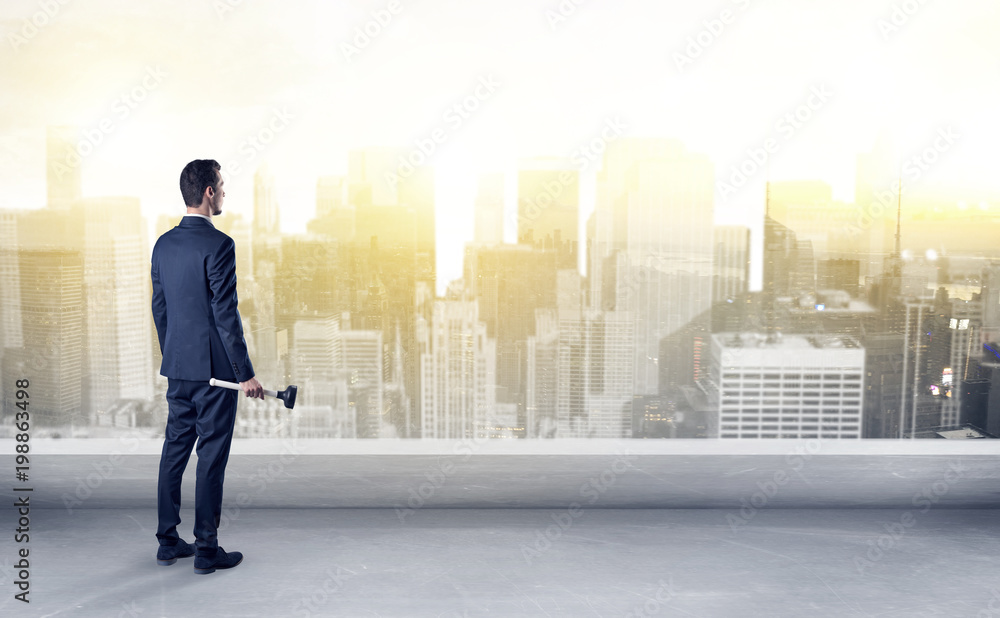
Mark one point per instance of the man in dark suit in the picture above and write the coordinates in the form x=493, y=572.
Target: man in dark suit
x=201, y=337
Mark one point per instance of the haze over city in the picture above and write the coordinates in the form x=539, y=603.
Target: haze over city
x=720, y=78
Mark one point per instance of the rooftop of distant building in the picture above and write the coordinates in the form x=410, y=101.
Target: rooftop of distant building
x=781, y=341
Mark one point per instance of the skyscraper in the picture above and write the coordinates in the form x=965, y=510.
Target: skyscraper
x=664, y=225
x=10, y=282
x=794, y=386
x=920, y=410
x=964, y=324
x=335, y=217
x=548, y=207
x=363, y=356
x=394, y=203
x=266, y=218
x=807, y=208
x=53, y=329
x=318, y=366
x=579, y=368
x=331, y=192
x=62, y=165
x=609, y=230
x=457, y=371
x=316, y=349
x=875, y=196
x=511, y=282
x=731, y=262
x=489, y=210
x=118, y=363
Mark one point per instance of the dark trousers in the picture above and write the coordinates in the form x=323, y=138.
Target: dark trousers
x=206, y=414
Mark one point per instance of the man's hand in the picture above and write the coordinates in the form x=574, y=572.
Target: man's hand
x=252, y=388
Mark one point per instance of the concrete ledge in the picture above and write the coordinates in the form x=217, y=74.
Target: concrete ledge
x=139, y=444
x=535, y=474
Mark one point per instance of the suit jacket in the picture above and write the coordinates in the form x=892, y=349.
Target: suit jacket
x=194, y=304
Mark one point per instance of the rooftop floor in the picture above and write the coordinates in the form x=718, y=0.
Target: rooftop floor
x=522, y=562
x=565, y=528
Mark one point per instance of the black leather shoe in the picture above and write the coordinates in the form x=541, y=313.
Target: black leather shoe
x=168, y=554
x=204, y=565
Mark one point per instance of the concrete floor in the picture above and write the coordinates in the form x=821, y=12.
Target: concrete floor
x=521, y=562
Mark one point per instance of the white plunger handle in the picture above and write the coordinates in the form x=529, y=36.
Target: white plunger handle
x=237, y=387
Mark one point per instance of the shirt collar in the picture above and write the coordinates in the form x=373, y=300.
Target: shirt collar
x=194, y=214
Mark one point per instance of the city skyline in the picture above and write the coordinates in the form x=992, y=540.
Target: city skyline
x=882, y=194
x=546, y=235
x=527, y=347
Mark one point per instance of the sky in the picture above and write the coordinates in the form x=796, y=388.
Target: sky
x=155, y=84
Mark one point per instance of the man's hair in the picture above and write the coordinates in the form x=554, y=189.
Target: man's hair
x=196, y=177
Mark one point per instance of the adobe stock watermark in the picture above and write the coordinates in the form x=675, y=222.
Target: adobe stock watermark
x=914, y=168
x=104, y=470
x=785, y=128
x=438, y=474
x=592, y=490
x=635, y=276
x=121, y=108
x=582, y=157
x=655, y=604
x=749, y=507
x=562, y=12
x=894, y=531
x=452, y=120
x=312, y=603
x=711, y=31
x=367, y=32
x=260, y=480
x=31, y=26
x=225, y=7
x=899, y=16
x=130, y=610
x=436, y=477
x=255, y=143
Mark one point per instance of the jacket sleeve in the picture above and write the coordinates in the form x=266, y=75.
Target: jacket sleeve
x=222, y=282
x=159, y=302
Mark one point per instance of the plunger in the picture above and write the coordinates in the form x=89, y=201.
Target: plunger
x=287, y=395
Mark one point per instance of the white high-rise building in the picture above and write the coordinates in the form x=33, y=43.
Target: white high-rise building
x=317, y=363
x=609, y=234
x=662, y=233
x=363, y=363
x=795, y=386
x=579, y=377
x=118, y=359
x=457, y=372
x=316, y=348
x=872, y=223
x=609, y=383
x=541, y=377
